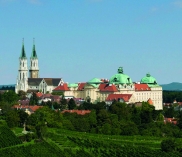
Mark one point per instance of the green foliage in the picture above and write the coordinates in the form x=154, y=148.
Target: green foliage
x=12, y=118
x=7, y=137
x=22, y=94
x=170, y=112
x=170, y=96
x=92, y=145
x=45, y=114
x=33, y=99
x=10, y=97
x=58, y=93
x=168, y=145
x=71, y=104
x=36, y=150
x=23, y=116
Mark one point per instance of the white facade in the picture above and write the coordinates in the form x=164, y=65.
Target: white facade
x=22, y=79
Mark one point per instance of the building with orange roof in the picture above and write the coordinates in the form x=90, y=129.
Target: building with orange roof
x=79, y=112
x=94, y=90
x=27, y=108
x=119, y=85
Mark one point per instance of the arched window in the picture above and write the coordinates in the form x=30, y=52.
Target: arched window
x=23, y=75
x=34, y=64
x=23, y=64
x=20, y=76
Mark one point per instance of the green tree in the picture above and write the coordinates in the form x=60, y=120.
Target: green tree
x=58, y=93
x=168, y=145
x=46, y=114
x=33, y=99
x=23, y=116
x=12, y=118
x=146, y=113
x=22, y=94
x=71, y=104
x=10, y=97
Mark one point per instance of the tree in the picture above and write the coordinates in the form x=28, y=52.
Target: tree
x=22, y=94
x=46, y=114
x=71, y=104
x=146, y=112
x=34, y=99
x=168, y=145
x=10, y=97
x=63, y=103
x=23, y=116
x=12, y=118
x=58, y=93
x=179, y=122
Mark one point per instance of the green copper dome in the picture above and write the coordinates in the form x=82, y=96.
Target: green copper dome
x=72, y=85
x=149, y=79
x=94, y=82
x=120, y=78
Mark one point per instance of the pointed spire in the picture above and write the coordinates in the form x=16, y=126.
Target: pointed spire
x=23, y=54
x=34, y=54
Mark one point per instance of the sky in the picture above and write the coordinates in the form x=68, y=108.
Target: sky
x=78, y=40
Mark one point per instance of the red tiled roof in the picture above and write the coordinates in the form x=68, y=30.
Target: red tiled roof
x=33, y=108
x=150, y=101
x=170, y=120
x=80, y=112
x=81, y=86
x=39, y=94
x=55, y=97
x=142, y=87
x=63, y=87
x=107, y=88
x=125, y=97
x=46, y=95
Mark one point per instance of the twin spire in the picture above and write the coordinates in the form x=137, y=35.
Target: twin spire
x=23, y=54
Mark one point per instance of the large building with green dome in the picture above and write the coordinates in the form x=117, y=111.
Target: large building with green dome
x=119, y=87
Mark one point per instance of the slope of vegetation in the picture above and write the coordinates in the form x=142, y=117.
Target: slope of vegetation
x=7, y=137
x=42, y=149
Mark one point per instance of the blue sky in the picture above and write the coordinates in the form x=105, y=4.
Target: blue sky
x=82, y=39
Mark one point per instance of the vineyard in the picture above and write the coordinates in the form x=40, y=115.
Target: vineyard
x=36, y=150
x=64, y=143
x=92, y=146
x=7, y=137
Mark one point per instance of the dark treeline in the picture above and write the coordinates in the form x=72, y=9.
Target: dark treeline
x=170, y=96
x=117, y=119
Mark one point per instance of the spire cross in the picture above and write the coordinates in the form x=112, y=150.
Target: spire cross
x=23, y=40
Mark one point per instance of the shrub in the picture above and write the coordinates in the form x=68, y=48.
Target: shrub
x=168, y=145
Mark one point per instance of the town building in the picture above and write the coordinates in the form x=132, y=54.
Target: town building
x=28, y=79
x=119, y=87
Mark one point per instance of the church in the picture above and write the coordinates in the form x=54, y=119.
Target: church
x=119, y=87
x=28, y=79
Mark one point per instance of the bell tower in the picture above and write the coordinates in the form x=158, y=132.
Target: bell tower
x=22, y=72
x=34, y=67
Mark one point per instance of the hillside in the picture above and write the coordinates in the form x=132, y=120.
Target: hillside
x=174, y=86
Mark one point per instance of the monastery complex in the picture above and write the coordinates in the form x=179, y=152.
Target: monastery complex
x=119, y=87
